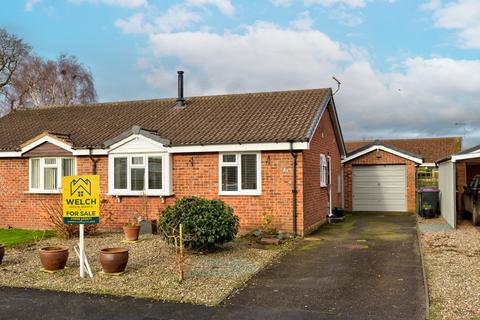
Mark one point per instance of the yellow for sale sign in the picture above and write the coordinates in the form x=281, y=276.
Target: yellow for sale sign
x=81, y=199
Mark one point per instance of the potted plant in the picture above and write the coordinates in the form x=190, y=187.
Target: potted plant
x=131, y=229
x=53, y=257
x=2, y=252
x=114, y=260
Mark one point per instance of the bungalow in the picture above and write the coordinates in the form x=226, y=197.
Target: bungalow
x=272, y=153
x=383, y=175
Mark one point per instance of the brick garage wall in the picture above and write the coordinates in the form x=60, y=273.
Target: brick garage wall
x=316, y=197
x=382, y=158
x=193, y=174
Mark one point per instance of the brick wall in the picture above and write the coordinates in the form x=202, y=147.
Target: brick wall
x=382, y=158
x=199, y=177
x=316, y=197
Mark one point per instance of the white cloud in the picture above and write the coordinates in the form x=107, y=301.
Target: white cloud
x=346, y=18
x=132, y=25
x=303, y=22
x=177, y=17
x=462, y=16
x=30, y=4
x=225, y=6
x=282, y=3
x=118, y=3
x=262, y=57
x=329, y=3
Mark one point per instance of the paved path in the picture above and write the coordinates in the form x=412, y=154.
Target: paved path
x=367, y=267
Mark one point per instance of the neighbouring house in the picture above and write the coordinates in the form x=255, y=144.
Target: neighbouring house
x=275, y=153
x=383, y=175
x=457, y=171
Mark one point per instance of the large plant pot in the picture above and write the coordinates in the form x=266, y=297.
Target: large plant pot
x=131, y=232
x=53, y=257
x=113, y=260
x=2, y=252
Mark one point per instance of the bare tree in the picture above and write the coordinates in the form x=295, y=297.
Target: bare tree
x=40, y=82
x=29, y=81
x=12, y=51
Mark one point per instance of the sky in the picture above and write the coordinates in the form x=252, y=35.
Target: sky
x=407, y=68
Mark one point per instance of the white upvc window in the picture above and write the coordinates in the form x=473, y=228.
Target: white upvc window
x=240, y=173
x=323, y=170
x=139, y=174
x=45, y=174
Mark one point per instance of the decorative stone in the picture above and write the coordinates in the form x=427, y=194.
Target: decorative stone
x=257, y=233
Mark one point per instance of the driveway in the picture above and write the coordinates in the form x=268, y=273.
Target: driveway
x=367, y=267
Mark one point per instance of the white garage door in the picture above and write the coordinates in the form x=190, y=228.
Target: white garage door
x=379, y=188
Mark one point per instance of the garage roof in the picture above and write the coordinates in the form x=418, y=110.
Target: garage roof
x=430, y=149
x=380, y=145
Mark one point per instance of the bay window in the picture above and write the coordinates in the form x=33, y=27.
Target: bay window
x=240, y=173
x=46, y=173
x=138, y=174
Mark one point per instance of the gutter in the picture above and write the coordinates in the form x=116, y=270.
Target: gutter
x=294, y=187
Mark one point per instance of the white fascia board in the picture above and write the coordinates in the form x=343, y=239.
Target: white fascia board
x=10, y=154
x=240, y=147
x=465, y=156
x=428, y=164
x=383, y=148
x=49, y=139
x=280, y=146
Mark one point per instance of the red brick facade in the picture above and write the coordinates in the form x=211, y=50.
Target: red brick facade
x=382, y=157
x=315, y=198
x=194, y=174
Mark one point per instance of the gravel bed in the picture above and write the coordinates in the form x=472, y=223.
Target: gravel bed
x=452, y=261
x=151, y=271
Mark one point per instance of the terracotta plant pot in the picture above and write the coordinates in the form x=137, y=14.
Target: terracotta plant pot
x=131, y=232
x=113, y=260
x=2, y=252
x=53, y=257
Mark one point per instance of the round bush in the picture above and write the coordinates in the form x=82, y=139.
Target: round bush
x=206, y=223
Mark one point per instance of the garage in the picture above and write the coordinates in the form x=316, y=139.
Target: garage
x=379, y=188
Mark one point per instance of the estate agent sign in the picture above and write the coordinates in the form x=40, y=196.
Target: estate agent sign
x=81, y=199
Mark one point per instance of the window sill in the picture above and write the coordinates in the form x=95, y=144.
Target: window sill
x=43, y=192
x=139, y=194
x=240, y=193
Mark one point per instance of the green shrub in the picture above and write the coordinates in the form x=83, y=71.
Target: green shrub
x=206, y=223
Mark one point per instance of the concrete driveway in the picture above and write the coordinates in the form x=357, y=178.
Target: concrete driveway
x=367, y=267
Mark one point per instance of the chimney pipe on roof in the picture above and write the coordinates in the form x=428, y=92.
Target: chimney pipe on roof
x=180, y=99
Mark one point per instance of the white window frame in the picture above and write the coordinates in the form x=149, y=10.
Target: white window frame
x=323, y=170
x=166, y=175
x=58, y=165
x=238, y=164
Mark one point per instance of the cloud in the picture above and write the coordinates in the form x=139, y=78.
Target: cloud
x=118, y=3
x=303, y=22
x=177, y=17
x=329, y=3
x=282, y=3
x=419, y=96
x=461, y=15
x=346, y=18
x=30, y=4
x=225, y=6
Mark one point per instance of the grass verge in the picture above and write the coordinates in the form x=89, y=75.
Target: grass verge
x=15, y=237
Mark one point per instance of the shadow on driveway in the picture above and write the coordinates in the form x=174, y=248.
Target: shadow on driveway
x=367, y=267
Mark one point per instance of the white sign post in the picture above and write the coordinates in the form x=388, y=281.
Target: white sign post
x=81, y=205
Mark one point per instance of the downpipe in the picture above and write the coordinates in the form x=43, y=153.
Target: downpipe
x=294, y=187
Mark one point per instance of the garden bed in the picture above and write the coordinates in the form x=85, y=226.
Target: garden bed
x=151, y=271
x=453, y=271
